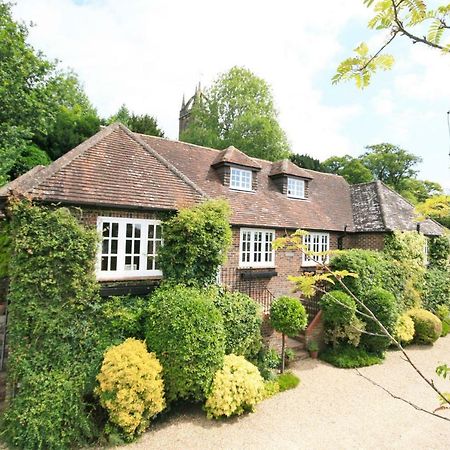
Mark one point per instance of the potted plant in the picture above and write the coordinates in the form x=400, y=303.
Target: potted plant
x=313, y=348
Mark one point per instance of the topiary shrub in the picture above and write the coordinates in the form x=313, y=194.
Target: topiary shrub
x=130, y=387
x=437, y=288
x=186, y=331
x=427, y=326
x=384, y=306
x=349, y=333
x=236, y=388
x=338, y=308
x=287, y=316
x=195, y=243
x=242, y=318
x=404, y=329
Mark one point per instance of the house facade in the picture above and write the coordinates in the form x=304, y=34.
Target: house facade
x=126, y=184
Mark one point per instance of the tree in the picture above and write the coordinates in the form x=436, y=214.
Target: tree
x=306, y=161
x=287, y=316
x=418, y=191
x=238, y=110
x=352, y=169
x=406, y=18
x=390, y=163
x=75, y=119
x=144, y=123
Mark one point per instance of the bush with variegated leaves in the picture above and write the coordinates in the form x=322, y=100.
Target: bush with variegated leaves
x=130, y=387
x=236, y=388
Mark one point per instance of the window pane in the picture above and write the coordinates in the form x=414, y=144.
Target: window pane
x=113, y=263
x=105, y=246
x=115, y=230
x=158, y=231
x=106, y=227
x=137, y=246
x=114, y=246
x=136, y=263
x=104, y=263
x=150, y=262
x=150, y=248
x=137, y=230
x=127, y=262
x=128, y=246
x=129, y=230
x=151, y=231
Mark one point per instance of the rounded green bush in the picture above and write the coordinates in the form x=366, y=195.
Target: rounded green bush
x=428, y=327
x=242, y=318
x=288, y=316
x=237, y=388
x=338, y=308
x=384, y=306
x=186, y=332
x=404, y=329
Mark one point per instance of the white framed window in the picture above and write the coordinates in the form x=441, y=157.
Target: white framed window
x=296, y=188
x=240, y=179
x=129, y=248
x=255, y=249
x=316, y=242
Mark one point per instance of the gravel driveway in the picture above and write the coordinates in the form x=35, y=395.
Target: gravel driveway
x=331, y=409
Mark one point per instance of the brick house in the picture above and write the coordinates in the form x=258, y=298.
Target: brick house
x=126, y=183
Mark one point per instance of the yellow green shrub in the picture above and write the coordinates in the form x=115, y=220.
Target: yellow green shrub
x=130, y=387
x=236, y=388
x=404, y=329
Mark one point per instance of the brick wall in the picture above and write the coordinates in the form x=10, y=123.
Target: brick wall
x=286, y=263
x=367, y=241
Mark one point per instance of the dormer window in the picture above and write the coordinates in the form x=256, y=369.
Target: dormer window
x=240, y=179
x=295, y=188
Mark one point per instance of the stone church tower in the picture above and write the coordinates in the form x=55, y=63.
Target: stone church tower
x=186, y=108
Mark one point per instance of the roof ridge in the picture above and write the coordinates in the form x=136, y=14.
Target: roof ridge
x=162, y=160
x=68, y=157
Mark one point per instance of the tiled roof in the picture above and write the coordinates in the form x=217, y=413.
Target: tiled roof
x=378, y=208
x=113, y=168
x=327, y=208
x=232, y=155
x=286, y=167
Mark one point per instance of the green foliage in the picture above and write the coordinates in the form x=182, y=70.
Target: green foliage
x=439, y=252
x=406, y=246
x=130, y=387
x=312, y=346
x=271, y=388
x=143, y=124
x=186, y=331
x=443, y=312
x=349, y=332
x=372, y=268
x=288, y=316
x=195, y=243
x=242, y=318
x=29, y=157
x=54, y=338
x=5, y=248
x=352, y=169
x=287, y=380
x=437, y=288
x=123, y=317
x=404, y=329
x=306, y=161
x=348, y=356
x=48, y=413
x=427, y=326
x=236, y=388
x=238, y=110
x=414, y=19
x=338, y=308
x=384, y=306
x=267, y=361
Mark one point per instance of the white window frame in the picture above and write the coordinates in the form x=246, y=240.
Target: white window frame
x=426, y=252
x=121, y=272
x=293, y=188
x=317, y=242
x=255, y=248
x=241, y=179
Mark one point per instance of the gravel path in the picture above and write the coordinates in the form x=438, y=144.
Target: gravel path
x=331, y=409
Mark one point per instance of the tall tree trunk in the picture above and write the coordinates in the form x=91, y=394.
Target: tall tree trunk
x=282, y=352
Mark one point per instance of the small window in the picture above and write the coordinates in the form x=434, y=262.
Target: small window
x=256, y=248
x=129, y=248
x=316, y=242
x=241, y=179
x=296, y=188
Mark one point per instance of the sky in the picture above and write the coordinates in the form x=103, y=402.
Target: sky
x=148, y=53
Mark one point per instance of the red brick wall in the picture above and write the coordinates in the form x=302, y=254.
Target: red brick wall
x=286, y=263
x=367, y=241
x=88, y=217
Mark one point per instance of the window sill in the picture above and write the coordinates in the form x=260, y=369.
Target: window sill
x=137, y=278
